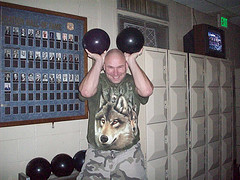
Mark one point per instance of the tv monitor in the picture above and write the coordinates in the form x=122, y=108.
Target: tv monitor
x=205, y=40
x=215, y=41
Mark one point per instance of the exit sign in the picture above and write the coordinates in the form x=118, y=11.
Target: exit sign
x=222, y=21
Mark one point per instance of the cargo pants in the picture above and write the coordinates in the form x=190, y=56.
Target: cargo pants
x=114, y=165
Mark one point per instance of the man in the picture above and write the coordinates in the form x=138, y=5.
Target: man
x=114, y=98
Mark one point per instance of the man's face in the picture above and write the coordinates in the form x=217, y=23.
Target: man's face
x=115, y=67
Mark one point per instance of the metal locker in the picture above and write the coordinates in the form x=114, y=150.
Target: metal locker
x=226, y=100
x=157, y=145
x=213, y=155
x=179, y=138
x=179, y=166
x=167, y=124
x=227, y=171
x=226, y=119
x=212, y=72
x=156, y=111
x=177, y=69
x=197, y=132
x=196, y=64
x=213, y=128
x=156, y=61
x=238, y=118
x=178, y=103
x=226, y=150
x=201, y=177
x=212, y=100
x=197, y=159
x=214, y=174
x=225, y=74
x=158, y=169
x=197, y=102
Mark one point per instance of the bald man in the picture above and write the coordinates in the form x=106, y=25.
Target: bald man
x=114, y=99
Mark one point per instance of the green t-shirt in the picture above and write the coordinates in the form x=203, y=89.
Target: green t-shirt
x=113, y=114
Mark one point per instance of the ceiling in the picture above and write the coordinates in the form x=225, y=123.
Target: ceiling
x=228, y=8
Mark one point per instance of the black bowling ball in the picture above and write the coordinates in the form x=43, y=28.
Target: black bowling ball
x=62, y=165
x=38, y=169
x=79, y=159
x=130, y=40
x=96, y=41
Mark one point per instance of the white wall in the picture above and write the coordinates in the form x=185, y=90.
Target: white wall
x=19, y=144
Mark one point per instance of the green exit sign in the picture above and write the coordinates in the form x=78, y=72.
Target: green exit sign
x=224, y=22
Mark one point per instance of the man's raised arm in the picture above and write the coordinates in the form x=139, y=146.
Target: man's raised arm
x=88, y=86
x=144, y=86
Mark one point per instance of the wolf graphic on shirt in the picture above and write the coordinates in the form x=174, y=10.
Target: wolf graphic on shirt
x=115, y=124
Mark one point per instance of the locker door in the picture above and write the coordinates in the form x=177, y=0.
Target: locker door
x=155, y=65
x=226, y=150
x=213, y=128
x=226, y=99
x=178, y=103
x=156, y=142
x=196, y=64
x=226, y=125
x=227, y=171
x=157, y=169
x=197, y=159
x=213, y=155
x=214, y=174
x=197, y=132
x=212, y=100
x=197, y=102
x=177, y=69
x=225, y=74
x=212, y=72
x=179, y=164
x=156, y=110
x=201, y=177
x=179, y=139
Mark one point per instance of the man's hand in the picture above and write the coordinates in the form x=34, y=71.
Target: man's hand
x=132, y=57
x=97, y=57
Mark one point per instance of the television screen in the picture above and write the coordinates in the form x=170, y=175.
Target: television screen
x=215, y=41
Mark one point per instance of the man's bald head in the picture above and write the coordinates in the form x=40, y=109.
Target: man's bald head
x=114, y=53
x=115, y=65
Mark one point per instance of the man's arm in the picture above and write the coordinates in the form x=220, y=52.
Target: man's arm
x=144, y=86
x=88, y=86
